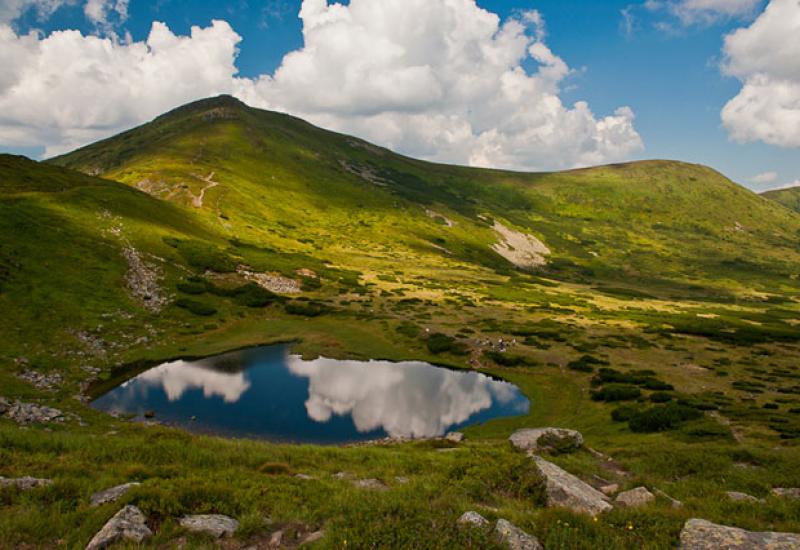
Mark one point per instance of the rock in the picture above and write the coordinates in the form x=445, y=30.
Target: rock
x=564, y=490
x=528, y=440
x=514, y=537
x=454, y=437
x=634, y=498
x=24, y=483
x=609, y=489
x=113, y=494
x=673, y=502
x=304, y=477
x=699, y=534
x=401, y=479
x=29, y=413
x=342, y=475
x=473, y=519
x=4, y=405
x=41, y=381
x=215, y=525
x=312, y=537
x=783, y=492
x=740, y=497
x=374, y=484
x=275, y=539
x=127, y=524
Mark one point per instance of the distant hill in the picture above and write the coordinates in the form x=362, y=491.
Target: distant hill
x=790, y=197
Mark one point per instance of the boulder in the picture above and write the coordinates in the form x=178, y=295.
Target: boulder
x=312, y=537
x=29, y=413
x=672, y=502
x=699, y=534
x=609, y=489
x=473, y=519
x=564, y=490
x=113, y=494
x=634, y=498
x=24, y=483
x=454, y=437
x=783, y=492
x=375, y=484
x=514, y=537
x=529, y=439
x=736, y=496
x=215, y=525
x=127, y=524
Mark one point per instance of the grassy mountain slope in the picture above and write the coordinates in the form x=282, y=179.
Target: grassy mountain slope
x=682, y=282
x=790, y=197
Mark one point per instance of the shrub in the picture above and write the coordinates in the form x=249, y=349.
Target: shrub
x=192, y=287
x=584, y=364
x=310, y=309
x=507, y=359
x=624, y=413
x=660, y=397
x=308, y=284
x=440, y=343
x=254, y=295
x=195, y=307
x=616, y=392
x=409, y=329
x=203, y=255
x=662, y=418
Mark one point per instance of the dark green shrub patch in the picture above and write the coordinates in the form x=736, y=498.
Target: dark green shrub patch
x=254, y=295
x=192, y=287
x=616, y=392
x=624, y=413
x=305, y=309
x=308, y=284
x=203, y=255
x=508, y=359
x=585, y=363
x=195, y=307
x=409, y=329
x=660, y=397
x=662, y=418
x=440, y=343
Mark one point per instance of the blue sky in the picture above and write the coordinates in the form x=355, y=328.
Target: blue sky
x=667, y=70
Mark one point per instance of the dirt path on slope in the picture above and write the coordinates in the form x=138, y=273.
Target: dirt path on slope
x=197, y=201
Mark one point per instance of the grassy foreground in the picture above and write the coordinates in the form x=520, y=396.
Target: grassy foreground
x=665, y=327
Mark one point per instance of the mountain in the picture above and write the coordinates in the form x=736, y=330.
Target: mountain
x=653, y=306
x=790, y=197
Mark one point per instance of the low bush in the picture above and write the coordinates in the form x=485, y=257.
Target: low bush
x=254, y=295
x=310, y=309
x=195, y=307
x=508, y=359
x=585, y=363
x=662, y=418
x=660, y=397
x=440, y=343
x=192, y=287
x=624, y=413
x=616, y=392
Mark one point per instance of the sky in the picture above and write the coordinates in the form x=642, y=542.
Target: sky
x=518, y=84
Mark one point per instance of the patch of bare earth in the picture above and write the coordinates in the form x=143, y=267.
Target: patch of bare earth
x=270, y=281
x=521, y=249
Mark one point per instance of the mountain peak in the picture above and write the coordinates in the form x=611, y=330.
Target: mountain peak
x=220, y=104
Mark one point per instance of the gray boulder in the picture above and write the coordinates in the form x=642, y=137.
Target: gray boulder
x=127, y=524
x=564, y=490
x=634, y=498
x=783, y=492
x=29, y=413
x=699, y=534
x=215, y=525
x=113, y=494
x=514, y=537
x=374, y=484
x=473, y=519
x=529, y=439
x=736, y=496
x=24, y=483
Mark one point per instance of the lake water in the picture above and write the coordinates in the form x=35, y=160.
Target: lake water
x=269, y=393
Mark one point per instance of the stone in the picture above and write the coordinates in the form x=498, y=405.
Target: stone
x=374, y=484
x=564, y=490
x=736, y=496
x=24, y=483
x=4, y=405
x=304, y=477
x=113, y=494
x=783, y=492
x=215, y=525
x=312, y=537
x=609, y=489
x=342, y=475
x=276, y=539
x=699, y=534
x=473, y=519
x=29, y=413
x=672, y=502
x=634, y=498
x=127, y=524
x=514, y=537
x=454, y=437
x=528, y=439
x=401, y=479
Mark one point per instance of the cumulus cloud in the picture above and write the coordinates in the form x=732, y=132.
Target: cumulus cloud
x=439, y=79
x=766, y=177
x=106, y=14
x=766, y=57
x=704, y=12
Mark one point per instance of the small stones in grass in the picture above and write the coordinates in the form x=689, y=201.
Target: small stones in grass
x=127, y=524
x=783, y=492
x=514, y=537
x=374, y=484
x=473, y=519
x=304, y=477
x=215, y=525
x=24, y=483
x=634, y=498
x=736, y=496
x=112, y=494
x=401, y=480
x=4, y=405
x=29, y=413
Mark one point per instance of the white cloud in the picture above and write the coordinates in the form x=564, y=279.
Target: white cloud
x=766, y=177
x=438, y=79
x=106, y=14
x=10, y=10
x=766, y=57
x=704, y=12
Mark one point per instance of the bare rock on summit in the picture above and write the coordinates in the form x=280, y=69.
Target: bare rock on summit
x=514, y=537
x=215, y=525
x=127, y=524
x=564, y=490
x=634, y=498
x=113, y=494
x=539, y=439
x=699, y=534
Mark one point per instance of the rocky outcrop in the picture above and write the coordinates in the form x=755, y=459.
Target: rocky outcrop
x=30, y=413
x=521, y=249
x=24, y=483
x=42, y=381
x=216, y=525
x=540, y=439
x=634, y=498
x=514, y=537
x=699, y=534
x=127, y=525
x=113, y=494
x=473, y=519
x=270, y=281
x=564, y=490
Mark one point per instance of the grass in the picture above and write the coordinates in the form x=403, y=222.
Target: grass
x=668, y=285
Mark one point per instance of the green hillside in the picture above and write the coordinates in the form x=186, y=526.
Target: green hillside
x=790, y=197
x=654, y=306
